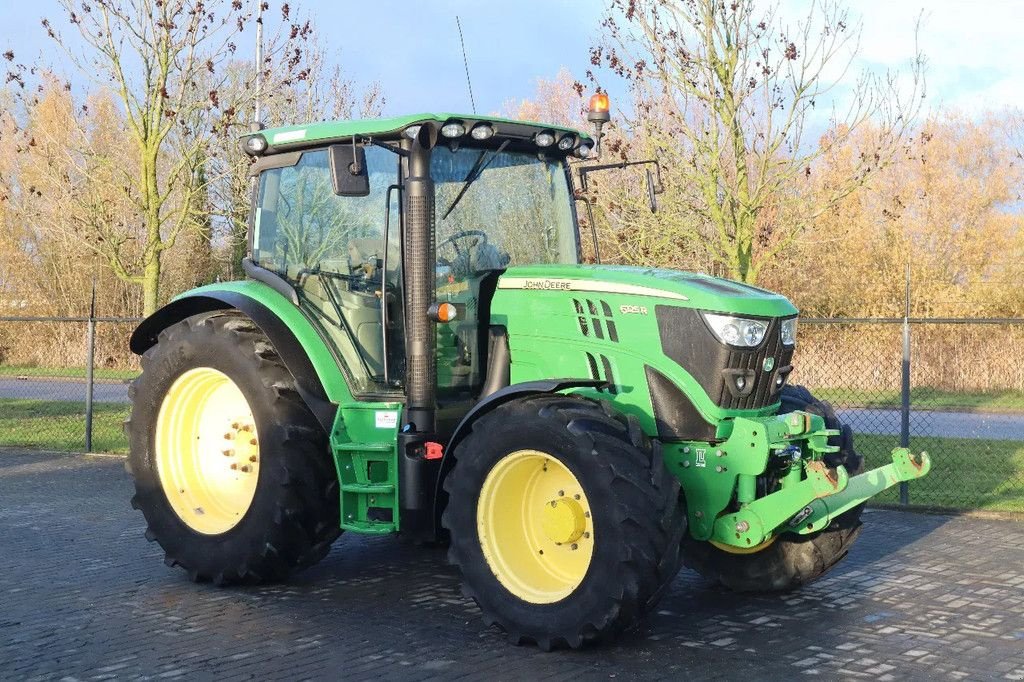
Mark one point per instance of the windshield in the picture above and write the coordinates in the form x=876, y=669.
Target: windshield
x=516, y=209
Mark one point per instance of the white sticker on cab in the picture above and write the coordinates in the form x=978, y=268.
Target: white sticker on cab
x=386, y=420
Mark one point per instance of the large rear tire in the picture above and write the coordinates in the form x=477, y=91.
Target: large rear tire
x=231, y=470
x=564, y=522
x=790, y=560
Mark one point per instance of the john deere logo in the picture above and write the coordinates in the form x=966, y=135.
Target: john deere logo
x=769, y=364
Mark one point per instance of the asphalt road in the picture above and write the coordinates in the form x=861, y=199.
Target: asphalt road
x=875, y=421
x=62, y=389
x=936, y=423
x=84, y=596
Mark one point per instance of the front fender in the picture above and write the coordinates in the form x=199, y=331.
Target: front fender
x=486, y=405
x=302, y=349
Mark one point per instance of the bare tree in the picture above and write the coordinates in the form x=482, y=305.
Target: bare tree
x=733, y=96
x=165, y=60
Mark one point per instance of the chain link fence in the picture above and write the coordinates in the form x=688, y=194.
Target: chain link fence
x=64, y=382
x=953, y=387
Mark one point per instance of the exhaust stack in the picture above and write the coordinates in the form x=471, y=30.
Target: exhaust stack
x=420, y=332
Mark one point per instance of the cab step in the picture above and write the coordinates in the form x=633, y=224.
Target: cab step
x=368, y=475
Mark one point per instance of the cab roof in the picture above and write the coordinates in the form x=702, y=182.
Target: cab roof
x=392, y=127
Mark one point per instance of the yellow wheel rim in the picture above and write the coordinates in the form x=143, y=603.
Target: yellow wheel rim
x=732, y=549
x=207, y=450
x=535, y=527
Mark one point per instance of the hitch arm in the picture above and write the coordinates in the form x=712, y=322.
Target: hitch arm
x=818, y=499
x=904, y=467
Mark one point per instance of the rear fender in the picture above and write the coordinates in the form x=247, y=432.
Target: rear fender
x=303, y=351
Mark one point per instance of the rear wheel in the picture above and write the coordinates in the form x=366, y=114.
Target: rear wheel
x=787, y=561
x=563, y=520
x=231, y=469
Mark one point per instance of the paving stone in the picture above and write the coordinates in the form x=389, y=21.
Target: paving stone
x=83, y=596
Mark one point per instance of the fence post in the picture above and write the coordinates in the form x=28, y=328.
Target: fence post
x=90, y=356
x=905, y=389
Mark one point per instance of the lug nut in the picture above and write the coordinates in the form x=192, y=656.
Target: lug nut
x=246, y=469
x=228, y=436
x=234, y=466
x=235, y=425
x=229, y=453
x=252, y=458
x=742, y=527
x=252, y=441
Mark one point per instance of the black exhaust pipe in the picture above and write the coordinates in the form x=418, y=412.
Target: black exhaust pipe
x=420, y=333
x=418, y=473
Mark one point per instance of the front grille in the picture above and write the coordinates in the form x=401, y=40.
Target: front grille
x=688, y=341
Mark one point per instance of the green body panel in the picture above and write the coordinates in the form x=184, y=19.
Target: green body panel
x=308, y=337
x=382, y=127
x=545, y=341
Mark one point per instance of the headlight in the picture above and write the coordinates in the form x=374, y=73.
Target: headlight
x=737, y=331
x=544, y=139
x=482, y=132
x=453, y=129
x=789, y=332
x=254, y=145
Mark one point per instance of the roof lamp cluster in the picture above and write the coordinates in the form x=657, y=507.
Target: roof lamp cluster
x=567, y=142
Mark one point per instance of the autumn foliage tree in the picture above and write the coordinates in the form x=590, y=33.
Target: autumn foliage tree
x=164, y=61
x=734, y=100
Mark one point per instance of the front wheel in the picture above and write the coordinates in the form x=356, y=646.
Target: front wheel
x=789, y=560
x=563, y=520
x=231, y=469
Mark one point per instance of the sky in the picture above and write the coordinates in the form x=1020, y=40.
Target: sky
x=411, y=47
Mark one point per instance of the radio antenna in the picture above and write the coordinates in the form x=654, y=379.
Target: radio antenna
x=465, y=62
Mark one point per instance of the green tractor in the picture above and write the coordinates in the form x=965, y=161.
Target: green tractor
x=418, y=349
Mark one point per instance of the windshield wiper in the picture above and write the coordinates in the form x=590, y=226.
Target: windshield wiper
x=475, y=172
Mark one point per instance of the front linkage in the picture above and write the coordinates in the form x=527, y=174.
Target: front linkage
x=769, y=475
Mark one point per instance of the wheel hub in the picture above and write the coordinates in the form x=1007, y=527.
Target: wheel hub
x=563, y=520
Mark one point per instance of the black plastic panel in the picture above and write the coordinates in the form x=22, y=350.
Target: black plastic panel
x=674, y=413
x=688, y=341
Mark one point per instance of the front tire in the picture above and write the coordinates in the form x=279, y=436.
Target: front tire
x=564, y=522
x=790, y=560
x=231, y=470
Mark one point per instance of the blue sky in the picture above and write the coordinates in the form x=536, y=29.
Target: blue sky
x=411, y=46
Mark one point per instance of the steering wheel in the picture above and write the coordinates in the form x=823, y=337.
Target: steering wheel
x=462, y=234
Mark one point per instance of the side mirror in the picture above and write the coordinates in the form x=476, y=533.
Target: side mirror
x=652, y=191
x=349, y=174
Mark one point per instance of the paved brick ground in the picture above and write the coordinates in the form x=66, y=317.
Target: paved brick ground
x=84, y=596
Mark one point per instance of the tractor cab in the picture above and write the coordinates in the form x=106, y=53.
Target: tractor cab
x=502, y=196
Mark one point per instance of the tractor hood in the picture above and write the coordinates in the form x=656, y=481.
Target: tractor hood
x=685, y=289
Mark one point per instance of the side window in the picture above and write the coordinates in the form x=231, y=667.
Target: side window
x=331, y=249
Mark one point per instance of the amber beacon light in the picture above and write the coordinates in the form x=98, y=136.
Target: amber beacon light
x=598, y=114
